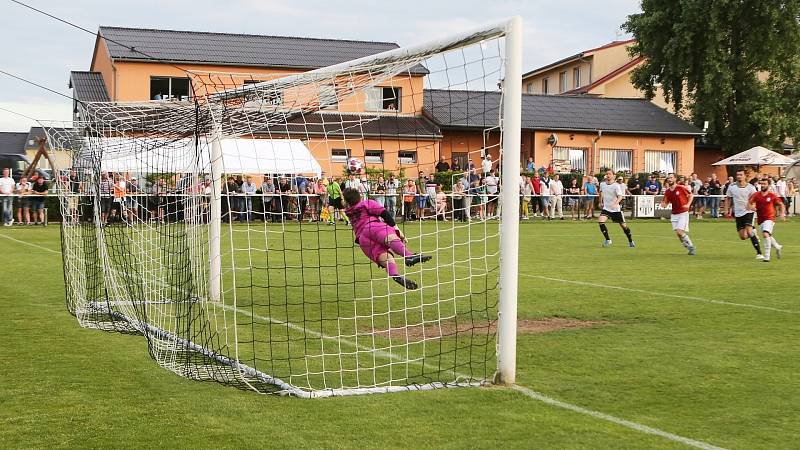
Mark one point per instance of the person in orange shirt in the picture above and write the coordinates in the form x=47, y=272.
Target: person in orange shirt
x=764, y=203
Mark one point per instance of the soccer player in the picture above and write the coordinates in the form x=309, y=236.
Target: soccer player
x=378, y=236
x=738, y=197
x=764, y=203
x=611, y=194
x=680, y=197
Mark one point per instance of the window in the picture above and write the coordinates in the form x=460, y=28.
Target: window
x=340, y=155
x=167, y=88
x=562, y=82
x=373, y=156
x=327, y=97
x=569, y=158
x=546, y=86
x=530, y=88
x=407, y=157
x=383, y=99
x=461, y=159
x=269, y=97
x=576, y=77
x=618, y=160
x=660, y=161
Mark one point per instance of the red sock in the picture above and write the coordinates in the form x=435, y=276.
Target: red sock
x=399, y=248
x=391, y=267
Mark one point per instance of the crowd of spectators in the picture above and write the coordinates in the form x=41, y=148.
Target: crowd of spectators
x=470, y=193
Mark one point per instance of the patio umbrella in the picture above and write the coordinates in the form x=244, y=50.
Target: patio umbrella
x=756, y=156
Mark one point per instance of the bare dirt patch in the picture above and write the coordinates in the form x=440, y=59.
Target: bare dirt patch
x=447, y=328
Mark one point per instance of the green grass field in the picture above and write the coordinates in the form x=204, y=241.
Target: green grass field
x=703, y=348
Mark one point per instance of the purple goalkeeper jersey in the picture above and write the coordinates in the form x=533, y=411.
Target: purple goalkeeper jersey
x=362, y=214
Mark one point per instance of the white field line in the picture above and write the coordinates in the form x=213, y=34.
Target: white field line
x=609, y=418
x=28, y=243
x=661, y=294
x=522, y=389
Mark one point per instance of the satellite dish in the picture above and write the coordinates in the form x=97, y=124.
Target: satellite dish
x=552, y=140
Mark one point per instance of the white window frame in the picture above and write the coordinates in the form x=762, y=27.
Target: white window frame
x=546, y=85
x=571, y=155
x=339, y=158
x=610, y=158
x=274, y=98
x=576, y=77
x=371, y=159
x=374, y=98
x=169, y=95
x=562, y=82
x=407, y=160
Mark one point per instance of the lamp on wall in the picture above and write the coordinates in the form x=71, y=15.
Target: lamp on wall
x=663, y=140
x=552, y=140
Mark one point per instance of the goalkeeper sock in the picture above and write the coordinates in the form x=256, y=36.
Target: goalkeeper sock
x=604, y=230
x=628, y=234
x=756, y=244
x=399, y=248
x=391, y=267
x=686, y=241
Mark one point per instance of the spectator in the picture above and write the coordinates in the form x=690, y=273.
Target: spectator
x=38, y=192
x=455, y=167
x=409, y=195
x=285, y=192
x=480, y=195
x=573, y=198
x=249, y=190
x=791, y=191
x=73, y=201
x=468, y=199
x=430, y=192
x=441, y=203
x=131, y=201
x=23, y=206
x=525, y=191
x=714, y=191
x=120, y=188
x=780, y=189
x=556, y=197
x=158, y=200
x=364, y=187
x=492, y=188
x=6, y=197
x=536, y=184
x=379, y=191
x=391, y=194
x=442, y=165
x=106, y=200
x=544, y=183
x=487, y=164
x=530, y=166
x=458, y=201
x=694, y=185
x=702, y=192
x=352, y=182
x=422, y=199
x=652, y=186
x=268, y=198
x=589, y=190
x=321, y=193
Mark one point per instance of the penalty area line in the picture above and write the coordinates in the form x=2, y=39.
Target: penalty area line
x=30, y=244
x=662, y=294
x=613, y=419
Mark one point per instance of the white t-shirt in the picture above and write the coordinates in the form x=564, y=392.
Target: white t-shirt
x=780, y=188
x=487, y=165
x=740, y=197
x=609, y=193
x=491, y=184
x=6, y=185
x=27, y=186
x=556, y=187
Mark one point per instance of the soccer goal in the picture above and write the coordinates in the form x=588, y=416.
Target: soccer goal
x=213, y=226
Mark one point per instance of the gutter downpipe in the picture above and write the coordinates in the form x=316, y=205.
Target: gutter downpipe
x=594, y=151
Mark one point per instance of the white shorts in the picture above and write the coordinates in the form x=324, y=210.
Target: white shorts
x=680, y=221
x=766, y=226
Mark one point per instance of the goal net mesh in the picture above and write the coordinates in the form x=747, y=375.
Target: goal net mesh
x=210, y=225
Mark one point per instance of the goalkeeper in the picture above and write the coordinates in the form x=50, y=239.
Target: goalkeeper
x=379, y=237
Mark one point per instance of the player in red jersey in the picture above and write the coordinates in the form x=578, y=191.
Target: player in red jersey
x=764, y=202
x=680, y=197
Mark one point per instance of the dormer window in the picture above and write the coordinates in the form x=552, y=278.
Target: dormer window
x=169, y=88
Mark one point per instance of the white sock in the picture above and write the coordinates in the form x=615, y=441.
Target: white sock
x=686, y=241
x=774, y=242
x=767, y=247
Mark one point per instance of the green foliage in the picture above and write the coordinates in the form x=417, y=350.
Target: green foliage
x=373, y=173
x=445, y=179
x=708, y=56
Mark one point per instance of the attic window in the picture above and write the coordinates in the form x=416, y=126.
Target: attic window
x=168, y=88
x=383, y=99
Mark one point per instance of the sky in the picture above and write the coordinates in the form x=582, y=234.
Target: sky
x=45, y=51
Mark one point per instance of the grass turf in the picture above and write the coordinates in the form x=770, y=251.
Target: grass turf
x=669, y=358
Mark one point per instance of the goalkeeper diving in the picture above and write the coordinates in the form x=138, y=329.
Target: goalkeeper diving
x=378, y=236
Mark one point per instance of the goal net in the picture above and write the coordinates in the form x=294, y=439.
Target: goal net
x=215, y=227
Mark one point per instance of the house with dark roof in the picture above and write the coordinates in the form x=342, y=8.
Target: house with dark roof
x=13, y=142
x=397, y=124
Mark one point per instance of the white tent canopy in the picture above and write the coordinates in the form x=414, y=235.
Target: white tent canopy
x=756, y=156
x=256, y=156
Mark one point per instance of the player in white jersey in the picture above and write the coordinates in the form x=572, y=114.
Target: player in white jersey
x=611, y=194
x=739, y=196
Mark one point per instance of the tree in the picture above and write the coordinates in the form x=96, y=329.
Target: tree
x=733, y=63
